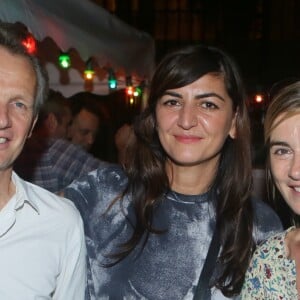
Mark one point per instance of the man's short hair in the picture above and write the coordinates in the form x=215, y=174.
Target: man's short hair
x=57, y=104
x=11, y=37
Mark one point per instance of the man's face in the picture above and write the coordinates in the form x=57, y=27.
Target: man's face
x=83, y=129
x=17, y=90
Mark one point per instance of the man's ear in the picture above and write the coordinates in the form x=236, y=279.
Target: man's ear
x=51, y=123
x=32, y=126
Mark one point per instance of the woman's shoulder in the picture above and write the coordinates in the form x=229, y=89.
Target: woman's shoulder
x=274, y=243
x=269, y=272
x=266, y=222
x=106, y=176
x=94, y=195
x=99, y=187
x=271, y=251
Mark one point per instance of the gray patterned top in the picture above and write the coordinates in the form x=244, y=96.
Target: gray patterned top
x=170, y=264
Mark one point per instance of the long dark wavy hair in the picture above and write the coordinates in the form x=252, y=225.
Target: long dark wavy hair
x=147, y=175
x=284, y=104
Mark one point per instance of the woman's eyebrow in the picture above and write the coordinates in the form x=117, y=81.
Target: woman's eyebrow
x=206, y=95
x=200, y=96
x=278, y=143
x=173, y=94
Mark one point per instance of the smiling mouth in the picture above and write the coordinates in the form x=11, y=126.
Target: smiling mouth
x=296, y=188
x=3, y=140
x=187, y=139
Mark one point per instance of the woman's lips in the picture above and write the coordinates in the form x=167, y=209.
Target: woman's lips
x=187, y=139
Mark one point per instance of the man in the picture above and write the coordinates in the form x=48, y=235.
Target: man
x=41, y=235
x=48, y=159
x=54, y=116
x=85, y=120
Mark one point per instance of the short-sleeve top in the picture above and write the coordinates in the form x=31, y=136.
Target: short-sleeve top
x=271, y=275
x=170, y=263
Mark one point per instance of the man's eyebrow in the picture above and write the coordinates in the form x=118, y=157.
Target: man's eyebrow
x=200, y=96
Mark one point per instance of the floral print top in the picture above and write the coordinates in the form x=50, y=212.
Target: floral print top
x=271, y=275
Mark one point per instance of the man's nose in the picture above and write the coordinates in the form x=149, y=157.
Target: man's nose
x=5, y=119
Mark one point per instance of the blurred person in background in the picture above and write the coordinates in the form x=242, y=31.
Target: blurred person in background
x=48, y=158
x=123, y=137
x=55, y=116
x=85, y=120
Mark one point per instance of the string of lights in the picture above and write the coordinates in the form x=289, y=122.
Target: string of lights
x=133, y=91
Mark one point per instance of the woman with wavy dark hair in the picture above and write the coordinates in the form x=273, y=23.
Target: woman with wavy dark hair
x=149, y=225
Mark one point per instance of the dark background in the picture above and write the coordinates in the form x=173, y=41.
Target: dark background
x=263, y=36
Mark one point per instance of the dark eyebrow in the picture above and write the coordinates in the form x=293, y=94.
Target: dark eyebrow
x=278, y=143
x=201, y=96
x=206, y=95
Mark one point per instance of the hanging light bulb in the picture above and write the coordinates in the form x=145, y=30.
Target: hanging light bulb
x=89, y=71
x=30, y=44
x=64, y=60
x=130, y=90
x=112, y=81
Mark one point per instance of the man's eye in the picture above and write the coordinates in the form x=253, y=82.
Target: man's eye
x=20, y=105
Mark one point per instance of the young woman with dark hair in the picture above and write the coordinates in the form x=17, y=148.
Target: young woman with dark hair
x=187, y=179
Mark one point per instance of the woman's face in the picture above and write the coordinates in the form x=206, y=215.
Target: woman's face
x=285, y=160
x=194, y=121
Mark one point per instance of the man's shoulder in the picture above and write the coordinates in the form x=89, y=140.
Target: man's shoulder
x=67, y=151
x=50, y=204
x=65, y=145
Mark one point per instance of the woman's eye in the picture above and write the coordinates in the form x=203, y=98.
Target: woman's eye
x=281, y=151
x=209, y=105
x=171, y=102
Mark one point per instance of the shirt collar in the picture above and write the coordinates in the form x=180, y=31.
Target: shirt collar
x=22, y=194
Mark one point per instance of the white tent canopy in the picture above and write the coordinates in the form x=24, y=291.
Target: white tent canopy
x=86, y=27
x=75, y=82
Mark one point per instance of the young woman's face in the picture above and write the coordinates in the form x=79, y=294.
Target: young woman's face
x=285, y=160
x=194, y=121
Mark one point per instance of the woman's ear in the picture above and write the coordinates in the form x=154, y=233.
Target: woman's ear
x=232, y=131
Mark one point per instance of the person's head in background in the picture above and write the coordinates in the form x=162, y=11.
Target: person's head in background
x=282, y=139
x=23, y=89
x=54, y=116
x=85, y=120
x=123, y=137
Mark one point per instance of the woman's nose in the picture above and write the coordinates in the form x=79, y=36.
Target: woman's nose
x=294, y=171
x=187, y=117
